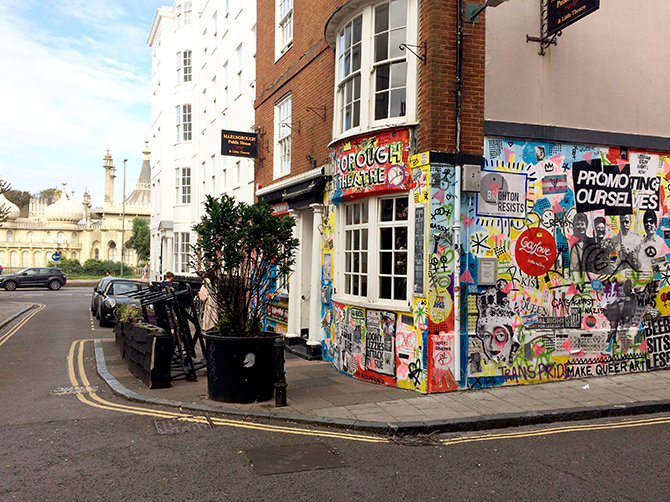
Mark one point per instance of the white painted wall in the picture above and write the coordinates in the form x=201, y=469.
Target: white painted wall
x=609, y=71
x=211, y=48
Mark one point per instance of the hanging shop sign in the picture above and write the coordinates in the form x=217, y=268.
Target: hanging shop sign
x=562, y=13
x=239, y=144
x=371, y=164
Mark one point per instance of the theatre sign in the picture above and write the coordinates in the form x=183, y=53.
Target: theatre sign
x=238, y=144
x=562, y=13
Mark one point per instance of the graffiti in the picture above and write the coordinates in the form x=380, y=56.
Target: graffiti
x=495, y=325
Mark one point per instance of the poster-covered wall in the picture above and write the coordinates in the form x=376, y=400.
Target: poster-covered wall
x=580, y=272
x=580, y=236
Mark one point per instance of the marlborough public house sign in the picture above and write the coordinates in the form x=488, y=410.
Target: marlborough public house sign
x=562, y=13
x=239, y=144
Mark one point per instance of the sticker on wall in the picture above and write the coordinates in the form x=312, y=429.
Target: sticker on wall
x=535, y=251
x=502, y=194
x=663, y=301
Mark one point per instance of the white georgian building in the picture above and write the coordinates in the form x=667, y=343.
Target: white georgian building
x=203, y=81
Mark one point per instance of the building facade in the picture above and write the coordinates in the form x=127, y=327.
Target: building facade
x=203, y=82
x=467, y=219
x=74, y=231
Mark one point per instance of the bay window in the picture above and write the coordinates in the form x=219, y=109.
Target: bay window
x=376, y=80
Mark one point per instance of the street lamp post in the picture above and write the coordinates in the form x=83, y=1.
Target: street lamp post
x=123, y=217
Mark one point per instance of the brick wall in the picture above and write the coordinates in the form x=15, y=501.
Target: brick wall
x=437, y=80
x=307, y=71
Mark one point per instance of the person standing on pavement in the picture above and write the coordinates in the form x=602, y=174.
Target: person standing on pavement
x=169, y=280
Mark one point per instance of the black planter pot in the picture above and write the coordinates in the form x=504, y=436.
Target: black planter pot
x=239, y=369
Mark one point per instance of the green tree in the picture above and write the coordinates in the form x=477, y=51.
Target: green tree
x=4, y=211
x=48, y=195
x=140, y=241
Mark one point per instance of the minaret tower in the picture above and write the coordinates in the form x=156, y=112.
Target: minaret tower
x=110, y=174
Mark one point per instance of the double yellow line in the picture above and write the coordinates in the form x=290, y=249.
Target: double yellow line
x=20, y=324
x=78, y=378
x=557, y=430
x=77, y=375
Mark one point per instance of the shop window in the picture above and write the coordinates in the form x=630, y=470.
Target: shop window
x=375, y=249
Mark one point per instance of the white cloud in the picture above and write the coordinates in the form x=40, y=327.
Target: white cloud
x=70, y=96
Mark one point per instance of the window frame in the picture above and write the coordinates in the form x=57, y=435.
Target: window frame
x=374, y=250
x=182, y=252
x=368, y=73
x=183, y=188
x=283, y=42
x=184, y=126
x=283, y=136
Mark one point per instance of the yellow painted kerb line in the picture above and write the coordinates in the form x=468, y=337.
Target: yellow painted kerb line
x=557, y=430
x=20, y=324
x=77, y=375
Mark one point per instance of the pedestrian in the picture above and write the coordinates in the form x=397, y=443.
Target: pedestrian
x=169, y=280
x=145, y=271
x=209, y=311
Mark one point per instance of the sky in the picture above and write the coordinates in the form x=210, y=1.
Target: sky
x=77, y=82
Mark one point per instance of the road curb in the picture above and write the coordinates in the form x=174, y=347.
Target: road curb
x=481, y=423
x=18, y=314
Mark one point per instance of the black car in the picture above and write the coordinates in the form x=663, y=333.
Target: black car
x=34, y=277
x=98, y=289
x=114, y=293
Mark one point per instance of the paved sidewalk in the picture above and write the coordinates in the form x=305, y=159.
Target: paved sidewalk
x=318, y=394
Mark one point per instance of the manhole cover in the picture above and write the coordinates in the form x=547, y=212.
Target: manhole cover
x=293, y=458
x=72, y=389
x=175, y=426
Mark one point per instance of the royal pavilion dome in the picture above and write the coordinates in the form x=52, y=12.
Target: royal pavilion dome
x=12, y=209
x=65, y=209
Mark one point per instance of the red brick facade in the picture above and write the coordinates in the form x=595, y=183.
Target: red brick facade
x=307, y=70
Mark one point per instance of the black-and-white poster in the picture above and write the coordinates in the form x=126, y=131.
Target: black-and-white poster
x=379, y=342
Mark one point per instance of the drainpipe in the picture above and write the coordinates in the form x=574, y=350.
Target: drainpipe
x=456, y=350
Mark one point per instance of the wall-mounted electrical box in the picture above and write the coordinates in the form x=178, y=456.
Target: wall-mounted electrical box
x=472, y=178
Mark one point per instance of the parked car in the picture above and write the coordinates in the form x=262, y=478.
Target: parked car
x=97, y=293
x=34, y=277
x=114, y=293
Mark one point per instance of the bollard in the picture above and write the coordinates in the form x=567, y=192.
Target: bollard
x=280, y=373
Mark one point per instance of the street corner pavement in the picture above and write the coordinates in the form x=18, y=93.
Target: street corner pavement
x=10, y=310
x=321, y=395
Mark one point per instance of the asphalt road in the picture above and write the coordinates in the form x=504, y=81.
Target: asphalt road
x=94, y=446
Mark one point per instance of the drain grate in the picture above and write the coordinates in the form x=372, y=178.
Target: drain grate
x=176, y=426
x=293, y=458
x=73, y=389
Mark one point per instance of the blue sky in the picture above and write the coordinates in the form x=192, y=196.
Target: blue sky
x=77, y=80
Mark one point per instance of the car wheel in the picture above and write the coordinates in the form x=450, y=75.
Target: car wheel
x=9, y=285
x=54, y=285
x=101, y=318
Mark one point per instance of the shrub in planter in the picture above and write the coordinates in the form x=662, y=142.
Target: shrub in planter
x=240, y=249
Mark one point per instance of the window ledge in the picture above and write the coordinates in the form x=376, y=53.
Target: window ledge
x=361, y=132
x=394, y=306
